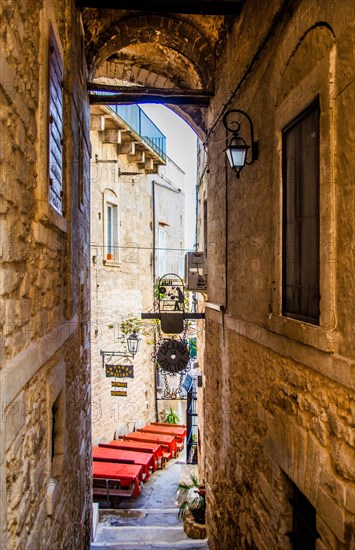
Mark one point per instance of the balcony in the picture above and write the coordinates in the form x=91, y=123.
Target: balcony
x=136, y=118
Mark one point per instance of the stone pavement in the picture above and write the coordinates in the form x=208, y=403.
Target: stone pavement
x=150, y=520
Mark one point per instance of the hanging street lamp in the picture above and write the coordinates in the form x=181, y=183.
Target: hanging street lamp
x=238, y=152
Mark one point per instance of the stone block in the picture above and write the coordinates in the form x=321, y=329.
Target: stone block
x=331, y=514
x=350, y=498
x=343, y=458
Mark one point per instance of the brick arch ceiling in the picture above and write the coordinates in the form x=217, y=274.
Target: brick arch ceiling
x=155, y=51
x=178, y=36
x=151, y=65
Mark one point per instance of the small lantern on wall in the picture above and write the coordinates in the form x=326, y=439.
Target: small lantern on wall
x=238, y=152
x=133, y=343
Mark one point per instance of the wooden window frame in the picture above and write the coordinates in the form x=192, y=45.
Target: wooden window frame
x=297, y=311
x=55, y=124
x=110, y=200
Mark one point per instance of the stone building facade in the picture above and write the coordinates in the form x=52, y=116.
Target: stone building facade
x=144, y=190
x=45, y=451
x=278, y=392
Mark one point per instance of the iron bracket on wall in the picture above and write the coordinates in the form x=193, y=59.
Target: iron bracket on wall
x=110, y=354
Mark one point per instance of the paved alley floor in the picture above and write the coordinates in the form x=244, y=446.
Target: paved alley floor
x=150, y=520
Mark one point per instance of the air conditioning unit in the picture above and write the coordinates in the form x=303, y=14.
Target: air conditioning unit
x=195, y=273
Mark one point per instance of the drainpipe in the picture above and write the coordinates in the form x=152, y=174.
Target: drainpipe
x=226, y=235
x=154, y=275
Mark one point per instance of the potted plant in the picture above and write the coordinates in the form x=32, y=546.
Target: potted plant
x=172, y=417
x=191, y=497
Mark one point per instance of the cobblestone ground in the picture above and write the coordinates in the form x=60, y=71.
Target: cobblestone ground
x=150, y=520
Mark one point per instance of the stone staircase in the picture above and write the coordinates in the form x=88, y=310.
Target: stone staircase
x=148, y=528
x=150, y=520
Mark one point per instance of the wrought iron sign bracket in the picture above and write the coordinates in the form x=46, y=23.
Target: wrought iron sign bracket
x=110, y=354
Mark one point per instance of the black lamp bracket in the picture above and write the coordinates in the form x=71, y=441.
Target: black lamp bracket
x=232, y=125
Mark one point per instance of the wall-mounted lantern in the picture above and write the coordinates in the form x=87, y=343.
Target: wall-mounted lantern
x=238, y=151
x=133, y=344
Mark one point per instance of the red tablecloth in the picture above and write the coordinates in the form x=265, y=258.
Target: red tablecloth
x=141, y=446
x=180, y=433
x=168, y=442
x=110, y=454
x=126, y=473
x=168, y=424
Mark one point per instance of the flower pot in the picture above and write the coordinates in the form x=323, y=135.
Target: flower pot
x=109, y=256
x=198, y=515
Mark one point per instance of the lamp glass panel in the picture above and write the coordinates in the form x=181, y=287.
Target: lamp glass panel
x=133, y=342
x=238, y=154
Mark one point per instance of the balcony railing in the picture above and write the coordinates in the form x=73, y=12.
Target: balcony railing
x=136, y=118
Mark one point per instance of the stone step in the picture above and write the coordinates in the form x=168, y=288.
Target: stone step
x=140, y=517
x=147, y=537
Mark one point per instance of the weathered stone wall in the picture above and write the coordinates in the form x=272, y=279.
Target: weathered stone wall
x=123, y=289
x=120, y=290
x=279, y=393
x=44, y=286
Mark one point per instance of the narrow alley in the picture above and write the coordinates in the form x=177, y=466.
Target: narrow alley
x=150, y=520
x=96, y=335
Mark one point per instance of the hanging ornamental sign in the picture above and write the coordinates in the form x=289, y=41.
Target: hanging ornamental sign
x=173, y=356
x=118, y=393
x=116, y=384
x=119, y=371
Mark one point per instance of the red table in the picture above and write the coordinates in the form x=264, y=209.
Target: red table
x=179, y=433
x=168, y=442
x=108, y=454
x=126, y=473
x=140, y=446
x=168, y=424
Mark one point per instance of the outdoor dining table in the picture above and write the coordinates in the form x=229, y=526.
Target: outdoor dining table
x=141, y=446
x=168, y=442
x=179, y=433
x=105, y=453
x=126, y=473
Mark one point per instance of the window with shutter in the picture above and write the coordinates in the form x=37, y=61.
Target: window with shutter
x=55, y=125
x=301, y=220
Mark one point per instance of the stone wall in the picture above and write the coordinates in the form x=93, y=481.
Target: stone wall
x=44, y=287
x=279, y=393
x=121, y=289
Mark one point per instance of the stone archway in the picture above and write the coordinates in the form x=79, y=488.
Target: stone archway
x=173, y=51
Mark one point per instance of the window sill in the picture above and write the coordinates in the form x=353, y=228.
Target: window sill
x=305, y=333
x=111, y=263
x=48, y=215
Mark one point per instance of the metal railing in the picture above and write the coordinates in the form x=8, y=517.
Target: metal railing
x=136, y=118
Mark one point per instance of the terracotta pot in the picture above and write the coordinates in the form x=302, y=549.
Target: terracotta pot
x=109, y=256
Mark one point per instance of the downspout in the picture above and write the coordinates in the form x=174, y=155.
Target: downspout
x=226, y=236
x=154, y=275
